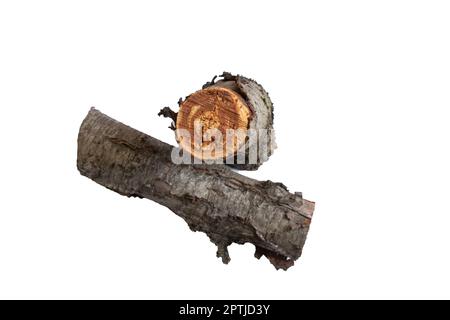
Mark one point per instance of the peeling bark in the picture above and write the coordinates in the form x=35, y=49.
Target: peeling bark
x=213, y=199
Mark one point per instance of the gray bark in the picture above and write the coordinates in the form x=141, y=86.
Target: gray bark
x=213, y=199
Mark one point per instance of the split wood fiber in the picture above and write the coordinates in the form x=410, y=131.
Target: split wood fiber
x=213, y=199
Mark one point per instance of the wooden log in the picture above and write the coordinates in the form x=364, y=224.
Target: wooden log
x=213, y=199
x=236, y=103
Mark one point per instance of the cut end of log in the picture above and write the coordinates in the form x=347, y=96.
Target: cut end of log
x=229, y=121
x=209, y=114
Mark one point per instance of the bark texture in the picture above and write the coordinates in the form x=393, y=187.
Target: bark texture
x=261, y=118
x=213, y=199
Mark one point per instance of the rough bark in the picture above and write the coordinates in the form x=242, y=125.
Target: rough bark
x=261, y=107
x=213, y=199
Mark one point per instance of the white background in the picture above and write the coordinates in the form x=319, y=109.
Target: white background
x=361, y=94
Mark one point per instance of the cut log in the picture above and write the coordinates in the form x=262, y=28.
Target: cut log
x=213, y=199
x=233, y=103
x=214, y=108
